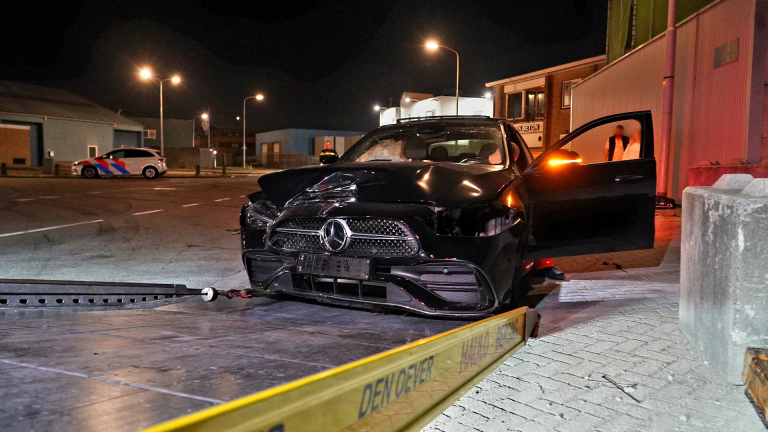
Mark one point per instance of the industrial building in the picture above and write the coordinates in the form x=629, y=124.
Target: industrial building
x=539, y=103
x=719, y=114
x=177, y=133
x=289, y=147
x=41, y=122
x=418, y=105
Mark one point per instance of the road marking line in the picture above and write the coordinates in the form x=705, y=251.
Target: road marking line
x=49, y=197
x=95, y=192
x=25, y=199
x=49, y=228
x=81, y=375
x=190, y=205
x=223, y=199
x=146, y=212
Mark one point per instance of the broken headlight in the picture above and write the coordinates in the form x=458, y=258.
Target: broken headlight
x=259, y=214
x=498, y=225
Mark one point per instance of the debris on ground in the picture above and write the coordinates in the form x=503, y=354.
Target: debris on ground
x=623, y=388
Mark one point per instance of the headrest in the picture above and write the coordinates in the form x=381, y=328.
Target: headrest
x=415, y=148
x=438, y=153
x=487, y=150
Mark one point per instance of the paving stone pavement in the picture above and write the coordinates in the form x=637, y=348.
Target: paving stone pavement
x=621, y=324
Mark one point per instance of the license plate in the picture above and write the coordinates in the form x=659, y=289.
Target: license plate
x=334, y=266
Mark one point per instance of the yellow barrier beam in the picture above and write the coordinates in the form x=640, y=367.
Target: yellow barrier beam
x=402, y=389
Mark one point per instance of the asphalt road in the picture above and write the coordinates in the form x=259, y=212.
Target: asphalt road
x=123, y=368
x=131, y=230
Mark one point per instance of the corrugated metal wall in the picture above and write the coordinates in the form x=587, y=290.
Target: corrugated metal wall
x=718, y=123
x=710, y=107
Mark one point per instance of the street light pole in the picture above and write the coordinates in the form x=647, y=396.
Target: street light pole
x=257, y=97
x=434, y=46
x=201, y=116
x=162, y=136
x=146, y=73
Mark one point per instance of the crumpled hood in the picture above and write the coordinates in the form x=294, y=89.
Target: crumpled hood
x=444, y=184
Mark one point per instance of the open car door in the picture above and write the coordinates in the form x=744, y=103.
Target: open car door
x=582, y=204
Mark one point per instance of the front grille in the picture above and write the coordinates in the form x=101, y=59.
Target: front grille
x=303, y=223
x=364, y=290
x=297, y=242
x=378, y=226
x=382, y=247
x=370, y=237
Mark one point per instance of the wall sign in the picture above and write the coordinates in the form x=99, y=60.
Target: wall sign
x=530, y=127
x=727, y=53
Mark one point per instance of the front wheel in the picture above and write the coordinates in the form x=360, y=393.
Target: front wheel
x=89, y=172
x=150, y=172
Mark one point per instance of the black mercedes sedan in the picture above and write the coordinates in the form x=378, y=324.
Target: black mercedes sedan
x=443, y=215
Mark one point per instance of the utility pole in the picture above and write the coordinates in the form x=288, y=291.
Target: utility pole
x=668, y=86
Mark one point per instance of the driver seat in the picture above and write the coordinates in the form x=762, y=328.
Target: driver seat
x=438, y=153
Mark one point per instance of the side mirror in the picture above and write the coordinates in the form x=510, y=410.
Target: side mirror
x=562, y=158
x=327, y=160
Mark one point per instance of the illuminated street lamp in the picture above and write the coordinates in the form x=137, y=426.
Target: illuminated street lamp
x=433, y=46
x=258, y=97
x=146, y=74
x=203, y=116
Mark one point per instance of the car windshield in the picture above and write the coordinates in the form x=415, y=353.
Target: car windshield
x=432, y=143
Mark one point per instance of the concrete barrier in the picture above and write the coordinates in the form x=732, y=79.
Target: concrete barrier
x=724, y=270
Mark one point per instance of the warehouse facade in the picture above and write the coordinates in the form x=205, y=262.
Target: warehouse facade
x=41, y=122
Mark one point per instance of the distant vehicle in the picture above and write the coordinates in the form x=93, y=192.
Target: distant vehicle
x=442, y=216
x=124, y=161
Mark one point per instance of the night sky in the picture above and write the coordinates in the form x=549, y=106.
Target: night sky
x=320, y=64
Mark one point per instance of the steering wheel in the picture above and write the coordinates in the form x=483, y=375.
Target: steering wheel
x=474, y=159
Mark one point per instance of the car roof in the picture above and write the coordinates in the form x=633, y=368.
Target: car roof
x=135, y=148
x=442, y=120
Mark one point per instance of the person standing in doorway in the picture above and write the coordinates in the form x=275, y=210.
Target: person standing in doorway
x=633, y=149
x=615, y=146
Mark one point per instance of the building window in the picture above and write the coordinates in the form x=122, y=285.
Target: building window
x=93, y=151
x=150, y=133
x=430, y=113
x=566, y=94
x=515, y=105
x=535, y=102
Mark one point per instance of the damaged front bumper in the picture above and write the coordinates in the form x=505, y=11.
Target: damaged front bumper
x=428, y=287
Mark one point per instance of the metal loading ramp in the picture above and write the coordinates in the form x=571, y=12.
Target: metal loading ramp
x=59, y=293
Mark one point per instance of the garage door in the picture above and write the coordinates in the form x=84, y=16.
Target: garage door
x=127, y=138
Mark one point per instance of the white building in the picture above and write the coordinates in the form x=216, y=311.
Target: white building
x=420, y=105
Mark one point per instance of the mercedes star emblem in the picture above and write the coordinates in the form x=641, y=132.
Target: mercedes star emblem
x=335, y=235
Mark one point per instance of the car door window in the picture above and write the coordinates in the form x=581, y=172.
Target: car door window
x=610, y=142
x=118, y=154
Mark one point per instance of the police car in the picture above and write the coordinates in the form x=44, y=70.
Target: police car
x=123, y=161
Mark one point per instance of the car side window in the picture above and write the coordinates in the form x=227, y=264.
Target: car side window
x=610, y=142
x=137, y=154
x=119, y=154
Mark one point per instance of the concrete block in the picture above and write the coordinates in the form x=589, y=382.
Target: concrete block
x=733, y=181
x=758, y=187
x=724, y=275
